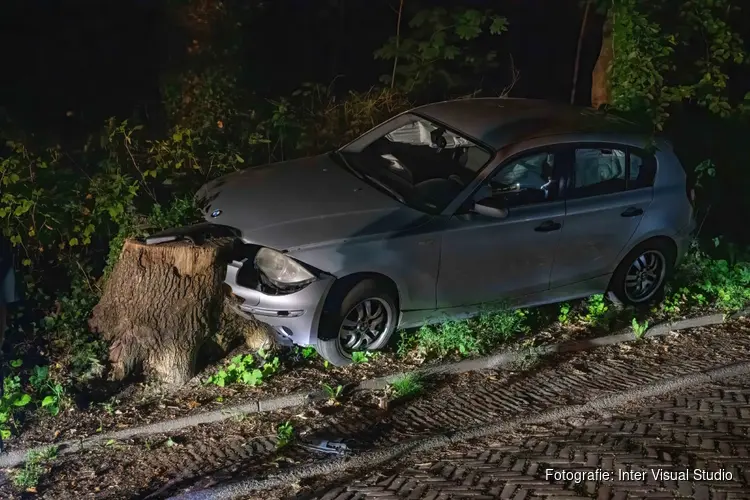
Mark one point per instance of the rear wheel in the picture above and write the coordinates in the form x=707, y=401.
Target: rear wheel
x=642, y=274
x=361, y=318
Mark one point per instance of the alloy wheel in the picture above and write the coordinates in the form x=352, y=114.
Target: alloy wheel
x=365, y=325
x=645, y=276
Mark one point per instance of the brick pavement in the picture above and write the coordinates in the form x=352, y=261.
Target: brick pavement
x=708, y=429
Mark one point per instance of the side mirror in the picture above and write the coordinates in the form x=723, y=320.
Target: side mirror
x=484, y=207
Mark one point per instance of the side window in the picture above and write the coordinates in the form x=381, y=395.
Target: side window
x=642, y=171
x=523, y=181
x=599, y=171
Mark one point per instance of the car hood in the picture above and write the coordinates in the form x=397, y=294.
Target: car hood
x=301, y=202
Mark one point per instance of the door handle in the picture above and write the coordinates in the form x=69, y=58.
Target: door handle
x=632, y=212
x=548, y=226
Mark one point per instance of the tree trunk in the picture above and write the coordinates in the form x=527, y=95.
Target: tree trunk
x=600, y=89
x=160, y=304
x=579, y=46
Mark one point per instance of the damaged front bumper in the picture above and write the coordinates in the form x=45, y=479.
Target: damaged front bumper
x=294, y=315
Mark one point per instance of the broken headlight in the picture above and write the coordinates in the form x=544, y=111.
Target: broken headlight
x=281, y=270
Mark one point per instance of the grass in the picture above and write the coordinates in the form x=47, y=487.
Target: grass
x=408, y=385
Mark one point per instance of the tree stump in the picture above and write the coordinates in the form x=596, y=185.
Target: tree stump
x=158, y=307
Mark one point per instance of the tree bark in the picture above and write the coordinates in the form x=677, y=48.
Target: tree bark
x=600, y=88
x=160, y=304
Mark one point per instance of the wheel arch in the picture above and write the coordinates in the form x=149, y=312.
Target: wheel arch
x=345, y=283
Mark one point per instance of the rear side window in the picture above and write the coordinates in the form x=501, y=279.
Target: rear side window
x=600, y=171
x=642, y=171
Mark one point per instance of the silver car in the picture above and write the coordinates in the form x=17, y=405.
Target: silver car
x=445, y=209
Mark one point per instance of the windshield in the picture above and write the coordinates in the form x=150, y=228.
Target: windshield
x=421, y=164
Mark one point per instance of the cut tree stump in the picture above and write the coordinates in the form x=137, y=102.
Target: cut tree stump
x=159, y=305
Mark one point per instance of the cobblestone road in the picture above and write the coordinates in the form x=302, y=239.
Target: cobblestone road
x=707, y=429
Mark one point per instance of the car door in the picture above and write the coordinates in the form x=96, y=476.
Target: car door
x=608, y=191
x=488, y=258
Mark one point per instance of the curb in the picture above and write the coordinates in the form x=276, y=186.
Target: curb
x=377, y=457
x=16, y=457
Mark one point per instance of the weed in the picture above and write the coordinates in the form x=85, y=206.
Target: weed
x=333, y=393
x=13, y=399
x=284, y=434
x=408, y=385
x=362, y=357
x=596, y=310
x=639, y=329
x=308, y=352
x=564, y=315
x=270, y=364
x=37, y=463
x=469, y=337
x=51, y=392
x=702, y=280
x=240, y=369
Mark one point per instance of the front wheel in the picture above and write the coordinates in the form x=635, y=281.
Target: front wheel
x=642, y=274
x=363, y=319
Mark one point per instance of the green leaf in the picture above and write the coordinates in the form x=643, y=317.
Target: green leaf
x=239, y=158
x=5, y=434
x=22, y=401
x=499, y=24
x=73, y=242
x=49, y=400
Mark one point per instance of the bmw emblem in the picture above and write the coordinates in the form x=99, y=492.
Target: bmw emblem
x=216, y=213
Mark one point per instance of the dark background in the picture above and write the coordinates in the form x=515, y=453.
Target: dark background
x=99, y=59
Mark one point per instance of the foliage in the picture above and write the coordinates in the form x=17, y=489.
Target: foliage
x=639, y=329
x=14, y=399
x=333, y=393
x=246, y=369
x=308, y=352
x=52, y=393
x=564, y=316
x=361, y=357
x=240, y=369
x=653, y=42
x=597, y=310
x=408, y=385
x=468, y=337
x=702, y=281
x=35, y=466
x=284, y=434
x=436, y=51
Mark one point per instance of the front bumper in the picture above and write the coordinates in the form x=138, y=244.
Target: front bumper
x=294, y=317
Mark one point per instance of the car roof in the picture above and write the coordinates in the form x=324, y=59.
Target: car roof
x=499, y=121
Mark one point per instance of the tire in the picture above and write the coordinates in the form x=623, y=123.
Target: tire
x=656, y=256
x=335, y=344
